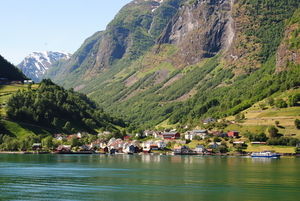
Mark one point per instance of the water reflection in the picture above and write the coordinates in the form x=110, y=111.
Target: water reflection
x=147, y=177
x=264, y=160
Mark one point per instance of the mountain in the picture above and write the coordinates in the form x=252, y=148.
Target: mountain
x=37, y=63
x=185, y=60
x=9, y=71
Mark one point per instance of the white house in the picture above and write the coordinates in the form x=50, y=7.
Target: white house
x=147, y=144
x=99, y=143
x=208, y=120
x=161, y=144
x=59, y=136
x=157, y=135
x=190, y=135
x=199, y=149
x=149, y=132
x=214, y=145
x=104, y=133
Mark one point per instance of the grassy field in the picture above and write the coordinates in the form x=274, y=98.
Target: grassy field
x=21, y=130
x=250, y=147
x=258, y=120
x=7, y=90
x=279, y=149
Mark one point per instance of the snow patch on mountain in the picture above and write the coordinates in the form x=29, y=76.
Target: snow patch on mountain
x=37, y=63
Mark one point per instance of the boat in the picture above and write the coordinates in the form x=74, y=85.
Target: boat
x=265, y=154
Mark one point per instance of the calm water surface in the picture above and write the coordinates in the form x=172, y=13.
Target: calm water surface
x=124, y=177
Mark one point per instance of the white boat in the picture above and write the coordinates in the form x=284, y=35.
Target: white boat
x=265, y=154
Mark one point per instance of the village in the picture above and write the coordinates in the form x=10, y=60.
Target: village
x=157, y=142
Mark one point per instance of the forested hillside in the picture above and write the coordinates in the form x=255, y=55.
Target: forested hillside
x=207, y=58
x=9, y=71
x=54, y=107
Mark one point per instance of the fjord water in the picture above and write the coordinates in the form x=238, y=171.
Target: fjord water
x=146, y=177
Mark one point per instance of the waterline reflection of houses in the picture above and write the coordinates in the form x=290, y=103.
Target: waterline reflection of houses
x=151, y=158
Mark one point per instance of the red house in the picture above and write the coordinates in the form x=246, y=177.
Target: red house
x=171, y=135
x=127, y=137
x=233, y=134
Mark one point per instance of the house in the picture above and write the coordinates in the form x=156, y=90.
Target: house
x=28, y=81
x=147, y=144
x=233, y=134
x=190, y=135
x=153, y=147
x=63, y=149
x=208, y=120
x=181, y=149
x=99, y=143
x=36, y=146
x=105, y=149
x=157, y=135
x=85, y=147
x=16, y=82
x=238, y=142
x=135, y=143
x=116, y=144
x=185, y=149
x=132, y=149
x=81, y=135
x=148, y=133
x=258, y=143
x=222, y=135
x=177, y=150
x=170, y=135
x=70, y=136
x=127, y=137
x=199, y=149
x=112, y=151
x=161, y=144
x=214, y=145
x=59, y=136
x=104, y=133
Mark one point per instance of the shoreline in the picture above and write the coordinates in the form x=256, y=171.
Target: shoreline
x=168, y=154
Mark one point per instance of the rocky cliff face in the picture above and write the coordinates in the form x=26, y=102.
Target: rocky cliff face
x=288, y=51
x=132, y=32
x=201, y=30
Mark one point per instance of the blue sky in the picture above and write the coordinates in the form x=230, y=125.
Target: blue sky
x=51, y=25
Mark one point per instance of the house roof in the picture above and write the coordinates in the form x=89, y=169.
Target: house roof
x=199, y=146
x=239, y=142
x=199, y=131
x=208, y=119
x=170, y=133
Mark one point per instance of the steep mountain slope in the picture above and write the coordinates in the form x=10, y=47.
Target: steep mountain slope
x=36, y=64
x=9, y=71
x=206, y=58
x=132, y=32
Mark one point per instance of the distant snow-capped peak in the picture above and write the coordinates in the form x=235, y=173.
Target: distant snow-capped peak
x=37, y=63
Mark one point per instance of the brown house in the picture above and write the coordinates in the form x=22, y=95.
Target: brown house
x=171, y=135
x=233, y=134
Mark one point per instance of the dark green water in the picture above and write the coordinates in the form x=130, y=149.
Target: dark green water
x=124, y=177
